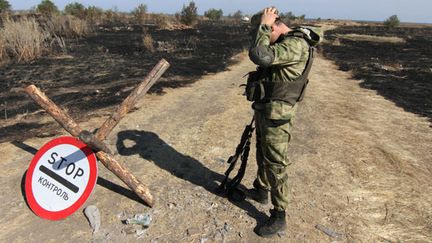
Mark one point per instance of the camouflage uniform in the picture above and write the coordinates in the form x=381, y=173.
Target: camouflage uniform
x=286, y=60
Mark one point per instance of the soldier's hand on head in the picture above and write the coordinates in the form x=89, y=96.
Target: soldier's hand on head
x=269, y=16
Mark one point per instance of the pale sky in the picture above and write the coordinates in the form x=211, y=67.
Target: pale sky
x=376, y=10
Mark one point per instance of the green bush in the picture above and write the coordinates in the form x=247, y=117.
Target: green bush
x=111, y=16
x=4, y=6
x=75, y=9
x=47, y=8
x=189, y=14
x=392, y=21
x=94, y=14
x=139, y=13
x=214, y=14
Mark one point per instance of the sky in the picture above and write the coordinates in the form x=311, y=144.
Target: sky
x=374, y=10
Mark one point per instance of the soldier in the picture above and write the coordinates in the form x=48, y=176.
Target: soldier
x=284, y=58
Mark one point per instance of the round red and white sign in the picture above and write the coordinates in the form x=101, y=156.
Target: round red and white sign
x=60, y=178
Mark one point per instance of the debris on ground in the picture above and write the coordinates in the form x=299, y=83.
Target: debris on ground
x=140, y=219
x=220, y=160
x=138, y=224
x=192, y=231
x=93, y=216
x=329, y=232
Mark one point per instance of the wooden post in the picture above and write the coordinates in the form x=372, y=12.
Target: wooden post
x=94, y=143
x=132, y=99
x=74, y=129
x=56, y=112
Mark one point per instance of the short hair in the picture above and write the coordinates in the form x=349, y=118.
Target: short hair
x=256, y=19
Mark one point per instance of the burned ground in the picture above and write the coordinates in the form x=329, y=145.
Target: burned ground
x=399, y=71
x=361, y=168
x=101, y=70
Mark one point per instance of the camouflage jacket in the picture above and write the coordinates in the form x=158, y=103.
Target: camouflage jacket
x=286, y=59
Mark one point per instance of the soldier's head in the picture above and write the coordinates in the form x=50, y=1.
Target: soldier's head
x=278, y=27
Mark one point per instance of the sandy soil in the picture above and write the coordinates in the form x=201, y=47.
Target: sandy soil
x=362, y=169
x=383, y=59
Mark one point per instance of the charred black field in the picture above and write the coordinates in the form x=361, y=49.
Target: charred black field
x=397, y=62
x=101, y=70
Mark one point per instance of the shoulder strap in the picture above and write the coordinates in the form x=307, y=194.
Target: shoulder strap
x=309, y=62
x=296, y=33
x=299, y=34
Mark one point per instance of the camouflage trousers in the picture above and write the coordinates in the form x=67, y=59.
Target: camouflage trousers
x=273, y=123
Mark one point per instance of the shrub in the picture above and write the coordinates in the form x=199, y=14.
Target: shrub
x=148, y=43
x=75, y=9
x=189, y=14
x=110, y=15
x=23, y=40
x=94, y=14
x=214, y=14
x=47, y=8
x=4, y=6
x=139, y=13
x=392, y=21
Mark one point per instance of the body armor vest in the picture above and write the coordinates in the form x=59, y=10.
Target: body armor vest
x=260, y=86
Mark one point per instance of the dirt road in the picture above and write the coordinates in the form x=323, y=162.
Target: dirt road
x=361, y=171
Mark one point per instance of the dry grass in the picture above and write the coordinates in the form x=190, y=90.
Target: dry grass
x=3, y=55
x=148, y=43
x=23, y=40
x=111, y=17
x=372, y=38
x=68, y=26
x=58, y=42
x=163, y=21
x=191, y=43
x=166, y=46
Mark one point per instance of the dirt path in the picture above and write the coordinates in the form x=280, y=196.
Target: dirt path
x=362, y=169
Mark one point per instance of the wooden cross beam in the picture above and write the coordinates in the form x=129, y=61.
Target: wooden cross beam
x=96, y=141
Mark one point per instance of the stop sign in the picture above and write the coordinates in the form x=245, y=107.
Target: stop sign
x=60, y=178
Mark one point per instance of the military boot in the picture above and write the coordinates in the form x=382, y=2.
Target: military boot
x=275, y=224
